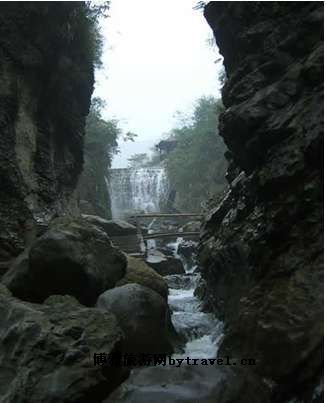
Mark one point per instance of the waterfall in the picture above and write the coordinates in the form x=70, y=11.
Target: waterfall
x=137, y=190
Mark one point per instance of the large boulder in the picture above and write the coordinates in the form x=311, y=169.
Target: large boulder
x=72, y=257
x=165, y=265
x=190, y=384
x=122, y=234
x=140, y=273
x=112, y=227
x=47, y=351
x=143, y=316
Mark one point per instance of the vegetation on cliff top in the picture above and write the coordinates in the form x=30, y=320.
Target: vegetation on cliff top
x=99, y=147
x=196, y=167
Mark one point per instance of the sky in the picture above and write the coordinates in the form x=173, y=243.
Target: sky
x=156, y=61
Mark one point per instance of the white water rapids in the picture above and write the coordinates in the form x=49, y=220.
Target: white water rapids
x=202, y=331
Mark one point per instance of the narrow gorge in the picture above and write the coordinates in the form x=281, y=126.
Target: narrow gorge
x=123, y=285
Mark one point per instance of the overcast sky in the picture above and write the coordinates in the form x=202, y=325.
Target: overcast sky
x=156, y=61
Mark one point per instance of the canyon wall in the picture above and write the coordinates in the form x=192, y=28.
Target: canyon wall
x=46, y=81
x=262, y=244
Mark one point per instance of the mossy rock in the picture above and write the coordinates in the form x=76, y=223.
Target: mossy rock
x=140, y=273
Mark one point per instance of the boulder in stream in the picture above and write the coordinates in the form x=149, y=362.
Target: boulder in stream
x=143, y=315
x=187, y=248
x=140, y=273
x=72, y=257
x=165, y=265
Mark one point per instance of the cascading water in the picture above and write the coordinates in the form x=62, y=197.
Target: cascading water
x=142, y=189
x=137, y=189
x=202, y=331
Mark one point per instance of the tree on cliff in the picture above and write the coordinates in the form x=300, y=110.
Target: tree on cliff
x=100, y=146
x=138, y=160
x=196, y=167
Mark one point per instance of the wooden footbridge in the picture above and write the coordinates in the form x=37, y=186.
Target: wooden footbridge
x=136, y=245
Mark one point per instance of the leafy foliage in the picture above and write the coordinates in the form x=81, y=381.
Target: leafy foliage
x=130, y=136
x=138, y=160
x=99, y=148
x=196, y=167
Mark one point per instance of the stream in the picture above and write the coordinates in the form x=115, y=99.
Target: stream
x=202, y=330
x=143, y=189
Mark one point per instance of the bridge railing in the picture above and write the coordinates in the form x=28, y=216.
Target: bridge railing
x=165, y=215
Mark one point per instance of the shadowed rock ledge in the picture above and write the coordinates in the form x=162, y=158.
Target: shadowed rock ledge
x=261, y=247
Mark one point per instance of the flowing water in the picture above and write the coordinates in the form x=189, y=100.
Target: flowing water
x=136, y=190
x=142, y=189
x=202, y=331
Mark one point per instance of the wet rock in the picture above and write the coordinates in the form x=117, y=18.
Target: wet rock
x=165, y=265
x=142, y=314
x=140, y=273
x=187, y=249
x=261, y=248
x=47, y=351
x=191, y=384
x=112, y=227
x=178, y=281
x=122, y=234
x=166, y=250
x=72, y=257
x=200, y=290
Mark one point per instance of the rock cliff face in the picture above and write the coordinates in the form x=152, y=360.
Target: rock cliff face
x=46, y=81
x=262, y=245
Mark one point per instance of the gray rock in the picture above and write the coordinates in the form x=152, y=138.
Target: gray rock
x=165, y=265
x=112, y=227
x=142, y=314
x=46, y=351
x=187, y=248
x=140, y=273
x=178, y=281
x=72, y=257
x=190, y=384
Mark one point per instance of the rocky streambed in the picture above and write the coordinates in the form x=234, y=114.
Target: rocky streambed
x=191, y=375
x=201, y=330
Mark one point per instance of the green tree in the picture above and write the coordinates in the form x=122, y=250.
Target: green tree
x=196, y=167
x=138, y=160
x=100, y=145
